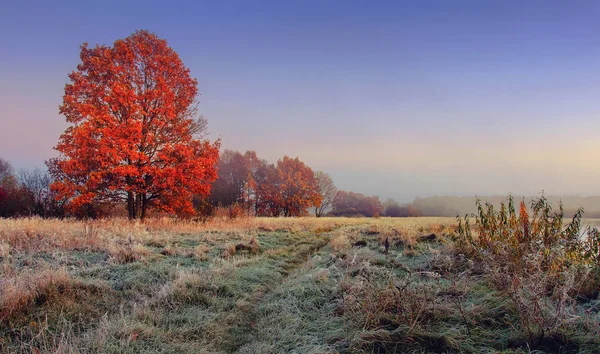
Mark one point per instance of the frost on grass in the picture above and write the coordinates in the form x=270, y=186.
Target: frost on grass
x=308, y=285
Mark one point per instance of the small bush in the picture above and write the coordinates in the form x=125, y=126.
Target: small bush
x=540, y=262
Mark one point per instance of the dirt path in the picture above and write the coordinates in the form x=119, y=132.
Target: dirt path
x=242, y=330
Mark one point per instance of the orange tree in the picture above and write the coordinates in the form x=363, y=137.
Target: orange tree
x=267, y=197
x=133, y=136
x=298, y=187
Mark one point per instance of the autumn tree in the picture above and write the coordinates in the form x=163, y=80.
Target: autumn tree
x=268, y=197
x=41, y=200
x=298, y=186
x=6, y=187
x=133, y=135
x=393, y=209
x=229, y=188
x=13, y=199
x=350, y=204
x=287, y=188
x=6, y=171
x=3, y=198
x=327, y=190
x=238, y=183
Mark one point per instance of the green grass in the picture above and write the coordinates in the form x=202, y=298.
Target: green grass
x=295, y=294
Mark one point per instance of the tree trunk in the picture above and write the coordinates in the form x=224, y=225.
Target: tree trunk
x=144, y=206
x=138, y=205
x=130, y=206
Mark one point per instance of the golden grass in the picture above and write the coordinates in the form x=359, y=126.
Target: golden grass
x=124, y=241
x=340, y=242
x=35, y=234
x=18, y=293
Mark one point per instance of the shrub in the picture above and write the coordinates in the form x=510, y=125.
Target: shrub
x=542, y=263
x=503, y=233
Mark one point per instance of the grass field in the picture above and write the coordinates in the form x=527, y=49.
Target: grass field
x=258, y=285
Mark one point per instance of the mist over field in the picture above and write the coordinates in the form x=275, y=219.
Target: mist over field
x=453, y=206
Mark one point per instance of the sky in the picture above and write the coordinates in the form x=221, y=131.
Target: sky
x=398, y=99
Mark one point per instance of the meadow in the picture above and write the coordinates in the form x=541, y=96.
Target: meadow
x=270, y=285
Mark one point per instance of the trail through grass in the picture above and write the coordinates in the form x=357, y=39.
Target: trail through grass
x=325, y=287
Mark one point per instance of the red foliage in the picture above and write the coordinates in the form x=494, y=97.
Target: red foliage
x=132, y=134
x=3, y=195
x=288, y=188
x=297, y=185
x=268, y=192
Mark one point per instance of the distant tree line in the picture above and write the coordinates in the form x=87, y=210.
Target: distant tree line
x=356, y=204
x=250, y=185
x=246, y=185
x=27, y=193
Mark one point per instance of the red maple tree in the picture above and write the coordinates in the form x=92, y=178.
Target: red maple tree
x=133, y=136
x=298, y=187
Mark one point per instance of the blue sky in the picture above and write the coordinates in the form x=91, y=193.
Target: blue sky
x=398, y=99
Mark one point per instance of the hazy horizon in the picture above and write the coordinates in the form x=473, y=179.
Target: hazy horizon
x=396, y=100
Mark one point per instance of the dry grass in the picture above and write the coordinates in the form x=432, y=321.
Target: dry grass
x=254, y=285
x=22, y=292
x=127, y=241
x=340, y=242
x=18, y=293
x=201, y=252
